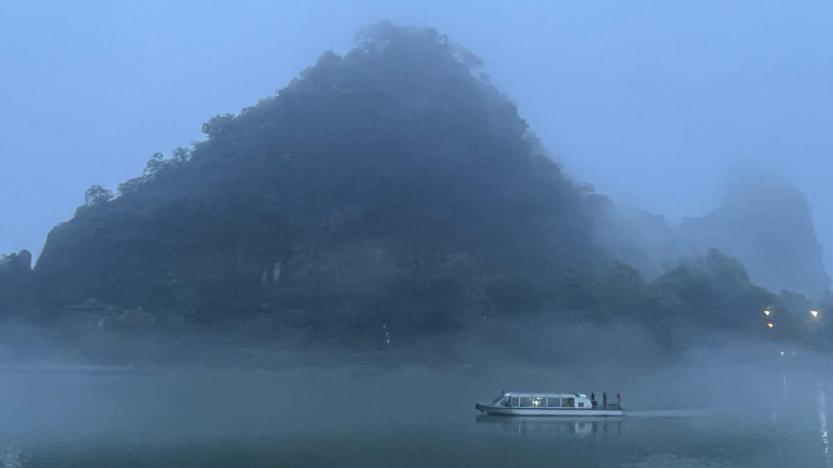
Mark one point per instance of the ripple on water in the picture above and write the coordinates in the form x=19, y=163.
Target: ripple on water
x=10, y=457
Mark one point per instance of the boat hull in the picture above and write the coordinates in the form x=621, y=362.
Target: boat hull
x=573, y=412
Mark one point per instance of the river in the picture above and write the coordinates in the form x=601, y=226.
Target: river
x=740, y=415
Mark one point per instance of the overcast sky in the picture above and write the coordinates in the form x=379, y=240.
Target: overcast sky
x=650, y=101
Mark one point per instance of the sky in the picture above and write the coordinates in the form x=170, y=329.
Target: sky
x=652, y=102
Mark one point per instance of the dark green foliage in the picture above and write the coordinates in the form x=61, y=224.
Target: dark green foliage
x=218, y=126
x=96, y=195
x=15, y=283
x=708, y=293
x=621, y=294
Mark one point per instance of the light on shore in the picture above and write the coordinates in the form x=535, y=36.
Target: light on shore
x=767, y=312
x=770, y=325
x=814, y=314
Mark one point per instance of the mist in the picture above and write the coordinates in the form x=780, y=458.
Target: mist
x=314, y=234
x=227, y=416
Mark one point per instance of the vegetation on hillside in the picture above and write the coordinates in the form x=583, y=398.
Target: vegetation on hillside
x=392, y=191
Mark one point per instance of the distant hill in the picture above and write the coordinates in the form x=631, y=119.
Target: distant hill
x=765, y=221
x=647, y=241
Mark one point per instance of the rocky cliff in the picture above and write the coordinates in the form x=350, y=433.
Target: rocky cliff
x=765, y=221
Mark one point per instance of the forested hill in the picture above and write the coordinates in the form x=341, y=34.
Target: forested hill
x=391, y=185
x=391, y=188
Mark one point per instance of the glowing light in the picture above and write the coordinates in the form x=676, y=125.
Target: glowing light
x=782, y=353
x=814, y=314
x=767, y=312
x=770, y=325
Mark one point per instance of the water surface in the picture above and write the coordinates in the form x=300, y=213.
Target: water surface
x=410, y=417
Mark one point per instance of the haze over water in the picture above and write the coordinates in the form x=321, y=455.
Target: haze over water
x=769, y=413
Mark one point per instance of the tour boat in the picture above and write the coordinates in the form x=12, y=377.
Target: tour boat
x=551, y=404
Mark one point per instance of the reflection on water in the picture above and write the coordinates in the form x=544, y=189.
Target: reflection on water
x=10, y=457
x=822, y=410
x=560, y=426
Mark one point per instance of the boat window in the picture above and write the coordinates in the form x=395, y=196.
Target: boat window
x=515, y=402
x=526, y=402
x=581, y=404
x=537, y=402
x=568, y=402
x=553, y=402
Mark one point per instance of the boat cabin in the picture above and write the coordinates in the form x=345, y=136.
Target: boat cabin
x=543, y=400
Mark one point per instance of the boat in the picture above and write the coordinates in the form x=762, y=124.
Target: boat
x=551, y=404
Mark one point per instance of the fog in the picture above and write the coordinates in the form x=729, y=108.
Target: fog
x=654, y=104
x=369, y=415
x=211, y=401
x=651, y=102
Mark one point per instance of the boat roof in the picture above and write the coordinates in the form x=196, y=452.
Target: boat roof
x=545, y=395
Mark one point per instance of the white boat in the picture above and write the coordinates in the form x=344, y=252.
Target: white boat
x=551, y=404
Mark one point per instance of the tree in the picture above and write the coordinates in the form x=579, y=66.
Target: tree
x=218, y=125
x=155, y=164
x=181, y=155
x=130, y=185
x=97, y=195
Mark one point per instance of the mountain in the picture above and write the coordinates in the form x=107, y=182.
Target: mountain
x=392, y=186
x=766, y=222
x=763, y=220
x=389, y=195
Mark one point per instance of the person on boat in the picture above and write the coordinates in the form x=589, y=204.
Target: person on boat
x=604, y=400
x=593, y=399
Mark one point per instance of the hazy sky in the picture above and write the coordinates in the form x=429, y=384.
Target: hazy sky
x=650, y=101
